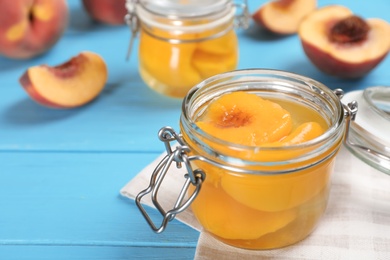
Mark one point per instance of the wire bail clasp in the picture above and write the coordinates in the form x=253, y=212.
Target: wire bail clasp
x=132, y=20
x=242, y=18
x=192, y=177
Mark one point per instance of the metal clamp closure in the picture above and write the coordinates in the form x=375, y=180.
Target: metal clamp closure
x=132, y=21
x=193, y=177
x=243, y=18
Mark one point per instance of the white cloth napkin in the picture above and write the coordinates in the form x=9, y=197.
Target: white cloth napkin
x=356, y=224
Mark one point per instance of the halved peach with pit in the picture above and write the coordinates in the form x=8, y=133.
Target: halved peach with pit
x=342, y=44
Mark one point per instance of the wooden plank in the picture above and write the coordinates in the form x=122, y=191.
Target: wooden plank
x=72, y=200
x=125, y=252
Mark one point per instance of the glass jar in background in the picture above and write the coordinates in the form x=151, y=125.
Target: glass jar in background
x=184, y=42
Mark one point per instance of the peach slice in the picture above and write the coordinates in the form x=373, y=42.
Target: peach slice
x=275, y=193
x=225, y=217
x=246, y=119
x=304, y=132
x=342, y=44
x=71, y=84
x=172, y=69
x=283, y=16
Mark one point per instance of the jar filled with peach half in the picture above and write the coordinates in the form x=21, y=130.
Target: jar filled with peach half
x=272, y=138
x=184, y=42
x=259, y=150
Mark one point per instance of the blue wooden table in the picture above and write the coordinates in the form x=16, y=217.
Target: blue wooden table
x=61, y=170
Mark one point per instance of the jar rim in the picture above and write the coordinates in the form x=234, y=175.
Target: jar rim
x=318, y=88
x=187, y=9
x=207, y=18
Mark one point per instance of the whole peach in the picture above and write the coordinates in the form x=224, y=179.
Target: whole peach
x=31, y=27
x=106, y=11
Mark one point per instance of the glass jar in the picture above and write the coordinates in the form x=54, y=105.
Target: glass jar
x=370, y=130
x=183, y=42
x=254, y=197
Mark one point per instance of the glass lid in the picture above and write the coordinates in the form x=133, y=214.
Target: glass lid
x=185, y=8
x=369, y=133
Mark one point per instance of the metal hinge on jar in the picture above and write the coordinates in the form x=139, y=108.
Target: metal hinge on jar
x=242, y=18
x=350, y=112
